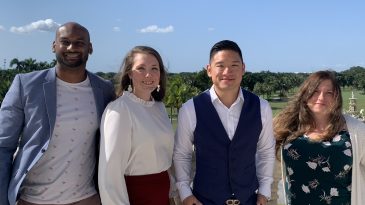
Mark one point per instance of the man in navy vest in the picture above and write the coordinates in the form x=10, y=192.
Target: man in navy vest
x=230, y=130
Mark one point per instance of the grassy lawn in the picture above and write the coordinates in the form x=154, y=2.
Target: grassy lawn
x=360, y=101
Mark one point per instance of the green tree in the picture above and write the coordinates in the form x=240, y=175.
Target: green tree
x=201, y=80
x=178, y=92
x=26, y=65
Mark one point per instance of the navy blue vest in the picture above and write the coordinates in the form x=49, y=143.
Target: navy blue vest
x=224, y=167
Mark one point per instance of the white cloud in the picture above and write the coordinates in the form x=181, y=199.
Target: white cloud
x=211, y=29
x=116, y=29
x=41, y=25
x=156, y=29
x=2, y=28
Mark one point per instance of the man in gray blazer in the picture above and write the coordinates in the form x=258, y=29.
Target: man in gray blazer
x=49, y=123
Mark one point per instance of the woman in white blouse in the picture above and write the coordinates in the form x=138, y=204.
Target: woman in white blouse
x=136, y=135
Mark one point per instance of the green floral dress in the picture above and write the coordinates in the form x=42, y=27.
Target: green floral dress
x=319, y=172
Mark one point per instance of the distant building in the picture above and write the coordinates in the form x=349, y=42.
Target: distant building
x=353, y=109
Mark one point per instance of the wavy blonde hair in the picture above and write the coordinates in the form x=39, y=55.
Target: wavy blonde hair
x=297, y=119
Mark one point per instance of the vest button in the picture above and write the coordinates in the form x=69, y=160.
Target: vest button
x=43, y=150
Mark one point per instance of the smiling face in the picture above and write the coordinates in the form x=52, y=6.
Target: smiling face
x=321, y=102
x=226, y=70
x=72, y=46
x=145, y=75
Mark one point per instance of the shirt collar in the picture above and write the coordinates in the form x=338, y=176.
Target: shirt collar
x=214, y=97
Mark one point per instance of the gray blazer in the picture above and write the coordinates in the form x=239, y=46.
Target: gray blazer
x=27, y=119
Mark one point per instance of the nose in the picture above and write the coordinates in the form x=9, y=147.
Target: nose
x=148, y=74
x=227, y=69
x=321, y=95
x=71, y=46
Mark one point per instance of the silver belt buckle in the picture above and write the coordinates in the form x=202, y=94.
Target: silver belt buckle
x=233, y=202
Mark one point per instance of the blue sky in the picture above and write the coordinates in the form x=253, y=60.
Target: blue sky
x=279, y=36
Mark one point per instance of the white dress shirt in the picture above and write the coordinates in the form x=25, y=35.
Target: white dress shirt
x=184, y=138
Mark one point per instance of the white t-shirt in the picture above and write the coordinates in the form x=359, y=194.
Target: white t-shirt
x=64, y=174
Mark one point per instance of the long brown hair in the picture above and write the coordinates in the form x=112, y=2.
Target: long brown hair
x=296, y=118
x=123, y=78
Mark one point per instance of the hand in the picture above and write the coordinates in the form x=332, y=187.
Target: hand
x=261, y=199
x=191, y=200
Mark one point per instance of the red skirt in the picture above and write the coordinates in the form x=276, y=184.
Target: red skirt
x=152, y=189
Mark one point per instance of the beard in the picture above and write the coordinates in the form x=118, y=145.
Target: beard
x=71, y=64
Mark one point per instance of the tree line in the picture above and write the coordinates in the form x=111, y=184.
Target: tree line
x=183, y=86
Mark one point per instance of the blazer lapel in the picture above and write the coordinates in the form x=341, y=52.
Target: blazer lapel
x=98, y=95
x=50, y=94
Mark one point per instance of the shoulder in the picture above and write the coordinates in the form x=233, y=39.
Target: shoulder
x=160, y=105
x=354, y=125
x=99, y=80
x=264, y=103
x=33, y=80
x=205, y=93
x=118, y=104
x=188, y=104
x=35, y=75
x=117, y=109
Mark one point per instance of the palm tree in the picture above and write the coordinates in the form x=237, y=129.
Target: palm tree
x=16, y=62
x=178, y=92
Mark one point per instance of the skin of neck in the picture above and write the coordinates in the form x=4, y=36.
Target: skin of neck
x=321, y=123
x=227, y=97
x=71, y=75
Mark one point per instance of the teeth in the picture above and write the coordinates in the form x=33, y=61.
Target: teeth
x=72, y=54
x=148, y=83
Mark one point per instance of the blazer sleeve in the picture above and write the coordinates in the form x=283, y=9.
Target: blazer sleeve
x=11, y=123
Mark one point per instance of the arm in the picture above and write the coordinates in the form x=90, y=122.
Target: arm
x=11, y=123
x=265, y=156
x=183, y=151
x=115, y=149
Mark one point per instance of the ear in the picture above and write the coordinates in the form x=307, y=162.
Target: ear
x=53, y=47
x=90, y=48
x=209, y=70
x=243, y=68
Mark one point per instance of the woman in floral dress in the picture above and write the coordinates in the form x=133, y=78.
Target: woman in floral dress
x=323, y=150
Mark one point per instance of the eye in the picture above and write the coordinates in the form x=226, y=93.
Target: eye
x=220, y=66
x=315, y=93
x=156, y=69
x=65, y=42
x=140, y=68
x=235, y=66
x=80, y=43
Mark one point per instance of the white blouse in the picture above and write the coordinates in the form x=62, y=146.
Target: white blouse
x=136, y=139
